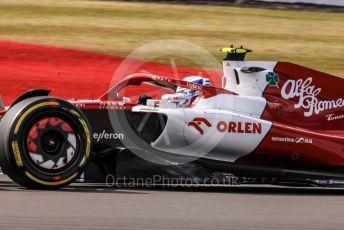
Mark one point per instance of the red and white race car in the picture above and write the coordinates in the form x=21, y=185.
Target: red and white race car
x=270, y=121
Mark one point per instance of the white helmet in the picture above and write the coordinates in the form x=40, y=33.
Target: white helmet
x=190, y=94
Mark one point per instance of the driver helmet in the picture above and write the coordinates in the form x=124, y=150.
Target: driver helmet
x=189, y=95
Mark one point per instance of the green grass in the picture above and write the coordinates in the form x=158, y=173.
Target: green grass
x=313, y=39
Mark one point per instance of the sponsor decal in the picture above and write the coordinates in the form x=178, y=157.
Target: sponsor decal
x=296, y=140
x=330, y=117
x=80, y=105
x=272, y=79
x=107, y=136
x=307, y=94
x=192, y=85
x=153, y=103
x=239, y=127
x=197, y=122
x=176, y=97
x=112, y=105
x=159, y=78
x=227, y=127
x=149, y=109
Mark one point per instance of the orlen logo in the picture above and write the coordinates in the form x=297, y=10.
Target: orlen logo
x=239, y=127
x=229, y=127
x=197, y=122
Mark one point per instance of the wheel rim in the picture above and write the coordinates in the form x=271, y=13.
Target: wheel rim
x=51, y=144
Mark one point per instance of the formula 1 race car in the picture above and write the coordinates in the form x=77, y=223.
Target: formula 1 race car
x=270, y=121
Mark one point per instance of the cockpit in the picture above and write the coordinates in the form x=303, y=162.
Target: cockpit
x=156, y=91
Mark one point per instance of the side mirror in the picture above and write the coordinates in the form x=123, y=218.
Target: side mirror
x=252, y=69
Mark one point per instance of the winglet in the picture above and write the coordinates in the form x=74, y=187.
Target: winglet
x=235, y=54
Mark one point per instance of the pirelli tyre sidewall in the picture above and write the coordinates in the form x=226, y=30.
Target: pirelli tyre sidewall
x=15, y=157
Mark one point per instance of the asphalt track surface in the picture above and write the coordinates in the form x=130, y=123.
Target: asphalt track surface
x=90, y=206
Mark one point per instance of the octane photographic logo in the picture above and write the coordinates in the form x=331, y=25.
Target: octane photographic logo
x=175, y=55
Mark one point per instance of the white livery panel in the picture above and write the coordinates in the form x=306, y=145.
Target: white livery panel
x=209, y=133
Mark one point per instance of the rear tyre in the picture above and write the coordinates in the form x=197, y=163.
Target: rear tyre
x=45, y=143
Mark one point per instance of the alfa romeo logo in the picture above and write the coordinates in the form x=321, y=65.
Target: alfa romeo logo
x=272, y=79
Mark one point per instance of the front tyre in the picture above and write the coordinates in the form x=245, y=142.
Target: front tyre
x=45, y=143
